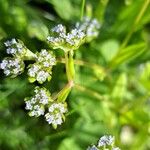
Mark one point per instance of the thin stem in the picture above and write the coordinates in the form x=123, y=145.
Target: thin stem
x=64, y=92
x=89, y=92
x=29, y=55
x=137, y=20
x=69, y=62
x=67, y=66
x=82, y=9
x=84, y=63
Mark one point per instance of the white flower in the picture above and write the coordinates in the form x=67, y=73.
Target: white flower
x=66, y=41
x=33, y=70
x=15, y=47
x=90, y=27
x=46, y=56
x=11, y=42
x=106, y=140
x=55, y=114
x=37, y=102
x=59, y=29
x=42, y=76
x=12, y=66
x=41, y=69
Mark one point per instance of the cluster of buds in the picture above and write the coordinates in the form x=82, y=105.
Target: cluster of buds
x=106, y=142
x=65, y=41
x=55, y=115
x=41, y=70
x=42, y=101
x=16, y=48
x=14, y=65
x=90, y=27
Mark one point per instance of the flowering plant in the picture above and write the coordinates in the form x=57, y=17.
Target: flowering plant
x=42, y=103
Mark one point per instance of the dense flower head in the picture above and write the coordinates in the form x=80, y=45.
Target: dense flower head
x=90, y=27
x=106, y=140
x=16, y=48
x=12, y=66
x=55, y=115
x=41, y=70
x=36, y=103
x=65, y=40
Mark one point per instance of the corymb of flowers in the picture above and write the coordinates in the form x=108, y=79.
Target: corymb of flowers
x=41, y=103
x=106, y=142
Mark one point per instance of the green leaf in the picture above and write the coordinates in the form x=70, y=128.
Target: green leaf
x=119, y=90
x=68, y=144
x=145, y=76
x=109, y=49
x=127, y=54
x=64, y=8
x=37, y=29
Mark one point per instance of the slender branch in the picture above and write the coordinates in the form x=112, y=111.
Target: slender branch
x=89, y=92
x=65, y=91
x=84, y=63
x=82, y=9
x=67, y=66
x=137, y=20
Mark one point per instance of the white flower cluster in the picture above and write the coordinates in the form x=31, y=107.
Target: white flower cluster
x=12, y=66
x=55, y=116
x=90, y=27
x=66, y=41
x=15, y=47
x=37, y=102
x=106, y=142
x=42, y=101
x=41, y=69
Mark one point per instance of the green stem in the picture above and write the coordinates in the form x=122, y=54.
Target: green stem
x=70, y=71
x=87, y=64
x=29, y=55
x=67, y=66
x=82, y=9
x=62, y=95
x=89, y=92
x=137, y=20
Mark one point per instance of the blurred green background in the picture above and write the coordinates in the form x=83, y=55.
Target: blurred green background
x=112, y=100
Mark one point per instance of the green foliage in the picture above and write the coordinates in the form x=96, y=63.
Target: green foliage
x=111, y=95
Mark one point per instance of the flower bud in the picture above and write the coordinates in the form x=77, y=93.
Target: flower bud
x=90, y=27
x=65, y=41
x=55, y=115
x=12, y=66
x=36, y=103
x=41, y=70
x=15, y=48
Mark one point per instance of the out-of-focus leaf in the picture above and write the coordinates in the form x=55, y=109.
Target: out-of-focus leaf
x=119, y=90
x=68, y=144
x=64, y=8
x=100, y=9
x=18, y=18
x=2, y=33
x=145, y=76
x=127, y=54
x=109, y=49
x=37, y=29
